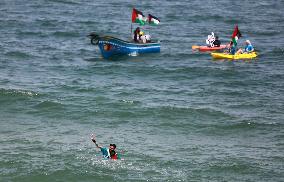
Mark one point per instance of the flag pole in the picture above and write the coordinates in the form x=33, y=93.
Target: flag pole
x=131, y=31
x=131, y=25
x=148, y=25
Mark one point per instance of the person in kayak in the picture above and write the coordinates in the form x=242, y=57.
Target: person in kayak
x=248, y=48
x=230, y=49
x=109, y=153
x=210, y=39
x=216, y=42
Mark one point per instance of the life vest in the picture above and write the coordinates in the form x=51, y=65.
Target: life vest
x=108, y=156
x=114, y=157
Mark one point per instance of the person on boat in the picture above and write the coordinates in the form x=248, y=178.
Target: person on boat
x=216, y=42
x=210, y=39
x=109, y=153
x=248, y=48
x=233, y=50
x=145, y=38
x=140, y=37
x=230, y=48
x=137, y=34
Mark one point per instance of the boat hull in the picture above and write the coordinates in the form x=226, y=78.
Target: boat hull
x=235, y=57
x=111, y=46
x=206, y=48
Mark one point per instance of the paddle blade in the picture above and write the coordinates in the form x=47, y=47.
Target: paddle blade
x=195, y=47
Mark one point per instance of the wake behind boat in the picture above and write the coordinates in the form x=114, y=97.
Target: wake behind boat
x=110, y=46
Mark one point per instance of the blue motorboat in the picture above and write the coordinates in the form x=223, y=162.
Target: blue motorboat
x=111, y=46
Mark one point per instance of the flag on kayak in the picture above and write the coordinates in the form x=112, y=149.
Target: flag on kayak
x=236, y=35
x=138, y=17
x=153, y=20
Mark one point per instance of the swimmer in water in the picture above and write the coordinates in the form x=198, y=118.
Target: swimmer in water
x=108, y=153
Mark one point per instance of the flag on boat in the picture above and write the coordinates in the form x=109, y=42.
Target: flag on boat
x=153, y=20
x=138, y=17
x=236, y=35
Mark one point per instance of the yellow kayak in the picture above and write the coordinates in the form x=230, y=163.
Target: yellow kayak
x=236, y=56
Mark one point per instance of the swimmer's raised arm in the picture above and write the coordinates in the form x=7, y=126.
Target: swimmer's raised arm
x=94, y=140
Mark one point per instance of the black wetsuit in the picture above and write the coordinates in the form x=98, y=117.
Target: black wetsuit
x=217, y=43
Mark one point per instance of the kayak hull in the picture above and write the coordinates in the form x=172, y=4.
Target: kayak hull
x=207, y=49
x=111, y=46
x=235, y=57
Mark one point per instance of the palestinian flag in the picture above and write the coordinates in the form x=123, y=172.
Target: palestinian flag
x=236, y=35
x=138, y=17
x=153, y=20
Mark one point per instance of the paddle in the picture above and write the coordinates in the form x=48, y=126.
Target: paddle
x=195, y=47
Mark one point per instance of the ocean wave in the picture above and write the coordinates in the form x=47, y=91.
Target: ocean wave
x=50, y=109
x=88, y=22
x=48, y=104
x=216, y=17
x=265, y=32
x=148, y=167
x=47, y=23
x=129, y=101
x=234, y=127
x=183, y=111
x=31, y=33
x=66, y=34
x=277, y=51
x=192, y=71
x=228, y=166
x=15, y=92
x=18, y=54
x=71, y=2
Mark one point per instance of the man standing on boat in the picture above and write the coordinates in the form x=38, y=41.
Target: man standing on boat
x=139, y=36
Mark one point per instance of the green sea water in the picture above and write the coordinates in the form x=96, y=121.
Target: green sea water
x=175, y=116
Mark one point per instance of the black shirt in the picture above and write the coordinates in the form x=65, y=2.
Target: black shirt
x=217, y=43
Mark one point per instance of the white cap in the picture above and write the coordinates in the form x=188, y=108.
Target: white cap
x=247, y=41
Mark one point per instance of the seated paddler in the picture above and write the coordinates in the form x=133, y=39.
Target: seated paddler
x=210, y=39
x=216, y=42
x=230, y=48
x=248, y=48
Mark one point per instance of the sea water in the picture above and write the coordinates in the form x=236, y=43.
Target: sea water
x=175, y=116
